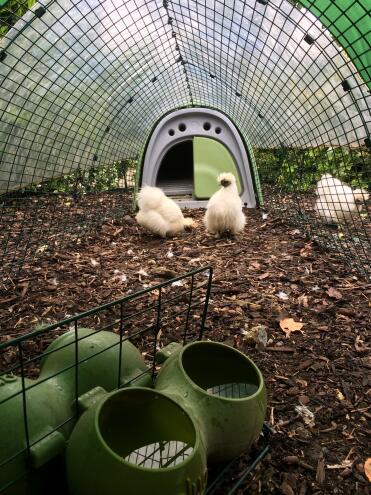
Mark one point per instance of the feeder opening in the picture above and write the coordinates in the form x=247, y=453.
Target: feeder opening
x=221, y=370
x=147, y=429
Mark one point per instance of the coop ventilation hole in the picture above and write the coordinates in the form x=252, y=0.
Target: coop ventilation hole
x=160, y=455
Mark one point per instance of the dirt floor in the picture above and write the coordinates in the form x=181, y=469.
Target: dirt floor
x=269, y=276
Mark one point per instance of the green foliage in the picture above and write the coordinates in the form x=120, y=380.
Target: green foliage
x=11, y=11
x=94, y=179
x=300, y=169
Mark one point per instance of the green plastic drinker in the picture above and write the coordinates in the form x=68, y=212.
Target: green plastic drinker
x=223, y=390
x=136, y=441
x=50, y=401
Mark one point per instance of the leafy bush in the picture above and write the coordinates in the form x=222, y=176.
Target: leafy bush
x=94, y=179
x=300, y=169
x=11, y=11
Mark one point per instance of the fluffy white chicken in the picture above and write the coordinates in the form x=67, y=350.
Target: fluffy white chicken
x=160, y=214
x=224, y=209
x=337, y=202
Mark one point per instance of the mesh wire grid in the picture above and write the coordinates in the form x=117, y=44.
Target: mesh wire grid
x=149, y=319
x=85, y=82
x=160, y=455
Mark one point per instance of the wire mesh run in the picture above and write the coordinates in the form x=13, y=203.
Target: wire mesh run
x=324, y=191
x=34, y=225
x=84, y=85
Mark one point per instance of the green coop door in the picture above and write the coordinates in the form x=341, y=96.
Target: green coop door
x=210, y=158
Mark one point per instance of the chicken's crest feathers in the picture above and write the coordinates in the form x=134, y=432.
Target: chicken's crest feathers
x=226, y=177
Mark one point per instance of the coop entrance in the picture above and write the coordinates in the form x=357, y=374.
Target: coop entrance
x=187, y=151
x=190, y=168
x=175, y=176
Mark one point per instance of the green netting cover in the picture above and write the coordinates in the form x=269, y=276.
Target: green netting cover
x=349, y=23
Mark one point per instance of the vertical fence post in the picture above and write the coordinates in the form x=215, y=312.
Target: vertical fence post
x=206, y=304
x=76, y=369
x=24, y=399
x=188, y=310
x=120, y=348
x=157, y=329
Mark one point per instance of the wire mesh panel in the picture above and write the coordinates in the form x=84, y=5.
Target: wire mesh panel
x=85, y=82
x=160, y=454
x=233, y=390
x=30, y=364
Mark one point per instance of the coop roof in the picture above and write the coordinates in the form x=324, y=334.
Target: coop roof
x=83, y=83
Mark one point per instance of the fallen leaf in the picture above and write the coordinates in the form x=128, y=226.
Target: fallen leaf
x=334, y=293
x=368, y=468
x=169, y=254
x=282, y=295
x=255, y=265
x=306, y=415
x=302, y=383
x=306, y=250
x=177, y=283
x=119, y=276
x=142, y=273
x=303, y=300
x=339, y=395
x=256, y=335
x=289, y=325
x=359, y=345
x=263, y=276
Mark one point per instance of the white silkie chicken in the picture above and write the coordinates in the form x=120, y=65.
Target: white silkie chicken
x=224, y=209
x=337, y=202
x=160, y=214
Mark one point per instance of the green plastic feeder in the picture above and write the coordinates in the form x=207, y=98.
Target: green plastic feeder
x=50, y=401
x=223, y=390
x=136, y=441
x=98, y=356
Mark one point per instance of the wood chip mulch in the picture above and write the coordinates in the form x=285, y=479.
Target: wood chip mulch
x=270, y=276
